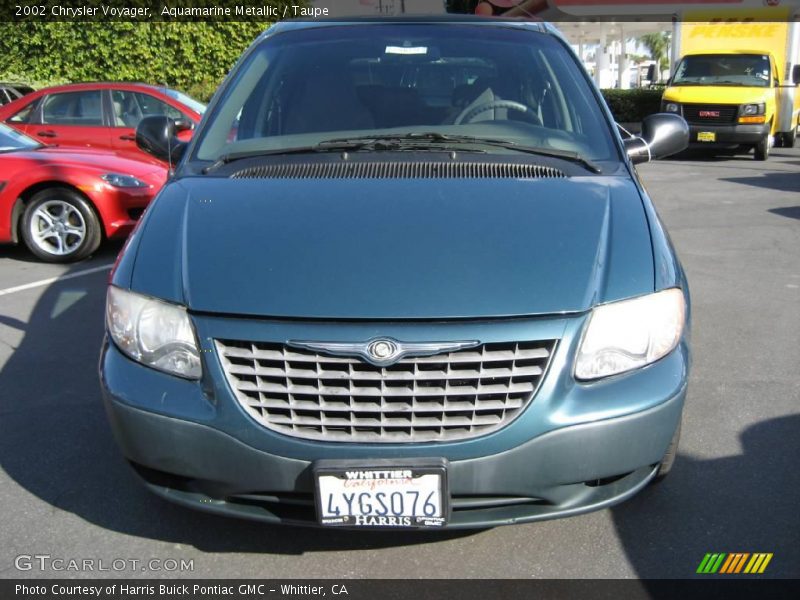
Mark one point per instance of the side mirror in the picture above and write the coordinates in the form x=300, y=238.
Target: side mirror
x=796, y=74
x=156, y=136
x=663, y=134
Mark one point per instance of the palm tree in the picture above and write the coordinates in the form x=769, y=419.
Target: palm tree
x=658, y=46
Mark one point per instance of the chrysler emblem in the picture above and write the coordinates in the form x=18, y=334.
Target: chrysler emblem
x=383, y=352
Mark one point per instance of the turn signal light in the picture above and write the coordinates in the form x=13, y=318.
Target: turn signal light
x=754, y=119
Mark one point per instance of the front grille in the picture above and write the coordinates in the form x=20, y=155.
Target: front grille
x=450, y=396
x=399, y=170
x=727, y=113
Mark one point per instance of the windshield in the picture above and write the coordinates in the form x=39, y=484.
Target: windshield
x=300, y=88
x=11, y=139
x=751, y=70
x=195, y=105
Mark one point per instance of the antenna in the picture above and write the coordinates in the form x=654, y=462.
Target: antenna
x=171, y=169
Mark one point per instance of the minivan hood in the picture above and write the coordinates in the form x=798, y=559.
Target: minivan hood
x=395, y=248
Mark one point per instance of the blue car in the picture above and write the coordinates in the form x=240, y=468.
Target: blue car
x=405, y=275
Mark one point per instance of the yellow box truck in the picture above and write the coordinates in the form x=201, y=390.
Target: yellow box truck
x=736, y=83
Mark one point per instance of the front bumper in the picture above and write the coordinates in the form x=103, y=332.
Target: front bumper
x=729, y=135
x=575, y=448
x=222, y=475
x=120, y=208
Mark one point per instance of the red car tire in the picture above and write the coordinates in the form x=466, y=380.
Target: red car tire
x=59, y=225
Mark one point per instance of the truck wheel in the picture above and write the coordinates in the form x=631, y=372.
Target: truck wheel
x=788, y=139
x=60, y=226
x=669, y=458
x=762, y=148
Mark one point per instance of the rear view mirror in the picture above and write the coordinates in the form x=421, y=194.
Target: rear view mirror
x=796, y=74
x=663, y=134
x=156, y=136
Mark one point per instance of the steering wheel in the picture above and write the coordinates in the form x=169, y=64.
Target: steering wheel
x=468, y=113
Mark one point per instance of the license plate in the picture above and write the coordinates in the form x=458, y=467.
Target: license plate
x=374, y=494
x=706, y=136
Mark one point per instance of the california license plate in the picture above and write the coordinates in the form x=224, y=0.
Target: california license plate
x=381, y=494
x=706, y=136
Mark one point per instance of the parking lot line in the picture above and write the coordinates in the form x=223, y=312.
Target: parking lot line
x=41, y=282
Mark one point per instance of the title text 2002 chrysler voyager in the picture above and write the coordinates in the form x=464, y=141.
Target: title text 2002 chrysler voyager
x=405, y=275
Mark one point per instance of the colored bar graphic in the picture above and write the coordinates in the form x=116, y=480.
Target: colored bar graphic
x=734, y=562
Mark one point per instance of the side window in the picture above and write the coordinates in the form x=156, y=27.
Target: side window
x=73, y=108
x=132, y=107
x=25, y=115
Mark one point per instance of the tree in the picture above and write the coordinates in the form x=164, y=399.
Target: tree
x=658, y=46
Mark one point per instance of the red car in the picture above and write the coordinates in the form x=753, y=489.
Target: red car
x=63, y=202
x=99, y=115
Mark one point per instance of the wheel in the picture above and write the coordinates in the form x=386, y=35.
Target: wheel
x=788, y=139
x=60, y=226
x=762, y=148
x=669, y=458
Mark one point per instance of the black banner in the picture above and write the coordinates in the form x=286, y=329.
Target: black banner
x=389, y=589
x=276, y=10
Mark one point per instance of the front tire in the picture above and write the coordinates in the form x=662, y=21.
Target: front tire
x=788, y=139
x=60, y=226
x=762, y=148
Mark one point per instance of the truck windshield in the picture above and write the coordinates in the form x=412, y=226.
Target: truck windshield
x=302, y=88
x=749, y=70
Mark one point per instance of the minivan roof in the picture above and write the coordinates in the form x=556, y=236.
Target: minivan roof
x=455, y=19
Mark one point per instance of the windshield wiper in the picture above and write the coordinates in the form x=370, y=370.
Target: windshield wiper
x=9, y=149
x=405, y=142
x=234, y=156
x=460, y=140
x=739, y=83
x=366, y=143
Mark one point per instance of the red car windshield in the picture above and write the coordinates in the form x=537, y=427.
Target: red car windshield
x=11, y=139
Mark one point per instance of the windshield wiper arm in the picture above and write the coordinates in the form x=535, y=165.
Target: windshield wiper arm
x=407, y=141
x=448, y=139
x=370, y=143
x=569, y=155
x=235, y=156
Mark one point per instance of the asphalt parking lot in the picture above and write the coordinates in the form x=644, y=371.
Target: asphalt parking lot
x=66, y=492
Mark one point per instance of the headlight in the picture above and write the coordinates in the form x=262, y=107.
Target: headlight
x=119, y=180
x=754, y=109
x=152, y=332
x=630, y=334
x=672, y=107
